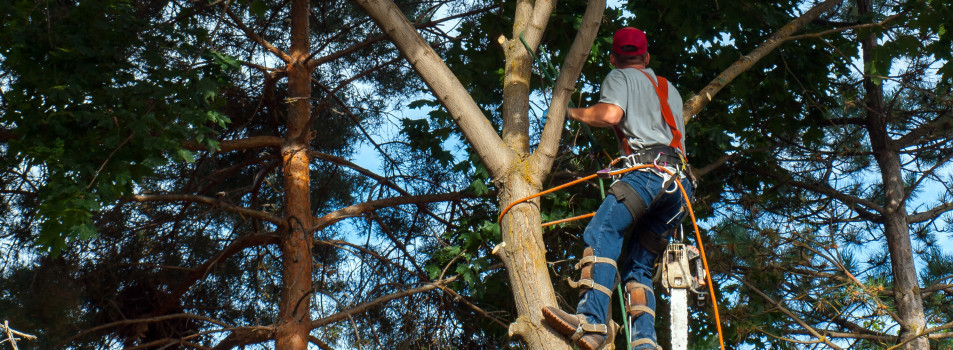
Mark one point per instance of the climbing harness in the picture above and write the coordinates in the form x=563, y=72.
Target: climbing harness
x=678, y=258
x=691, y=212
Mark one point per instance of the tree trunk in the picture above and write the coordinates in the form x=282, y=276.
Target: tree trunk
x=294, y=320
x=524, y=254
x=896, y=228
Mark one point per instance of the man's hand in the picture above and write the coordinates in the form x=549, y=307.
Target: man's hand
x=598, y=115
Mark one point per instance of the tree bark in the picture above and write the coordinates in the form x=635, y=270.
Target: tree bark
x=896, y=228
x=517, y=173
x=294, y=315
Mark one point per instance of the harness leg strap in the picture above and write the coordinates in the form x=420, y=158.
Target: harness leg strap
x=585, y=266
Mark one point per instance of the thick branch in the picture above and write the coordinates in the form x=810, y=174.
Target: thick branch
x=697, y=102
x=930, y=214
x=280, y=222
x=441, y=80
x=566, y=84
x=366, y=207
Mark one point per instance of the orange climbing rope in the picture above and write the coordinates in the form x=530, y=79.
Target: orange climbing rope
x=691, y=212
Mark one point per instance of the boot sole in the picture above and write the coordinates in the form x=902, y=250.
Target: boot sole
x=564, y=328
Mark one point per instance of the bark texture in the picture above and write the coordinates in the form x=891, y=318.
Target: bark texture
x=294, y=320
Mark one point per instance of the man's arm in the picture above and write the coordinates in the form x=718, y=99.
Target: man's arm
x=598, y=115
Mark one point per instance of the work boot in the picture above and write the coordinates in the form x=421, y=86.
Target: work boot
x=583, y=334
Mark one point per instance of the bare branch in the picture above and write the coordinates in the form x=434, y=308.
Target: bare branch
x=246, y=336
x=845, y=28
x=237, y=145
x=280, y=222
x=199, y=272
x=144, y=320
x=366, y=207
x=383, y=299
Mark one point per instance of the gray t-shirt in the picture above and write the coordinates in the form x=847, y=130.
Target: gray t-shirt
x=642, y=122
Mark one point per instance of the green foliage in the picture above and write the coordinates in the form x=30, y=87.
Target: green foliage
x=99, y=96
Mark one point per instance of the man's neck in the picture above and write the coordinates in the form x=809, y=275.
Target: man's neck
x=636, y=66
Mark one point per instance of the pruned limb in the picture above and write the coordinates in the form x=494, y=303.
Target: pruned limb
x=12, y=335
x=566, y=84
x=444, y=84
x=697, y=102
x=277, y=220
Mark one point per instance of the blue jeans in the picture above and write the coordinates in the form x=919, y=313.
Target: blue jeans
x=606, y=233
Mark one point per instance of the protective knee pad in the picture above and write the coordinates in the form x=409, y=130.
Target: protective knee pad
x=637, y=299
x=585, y=282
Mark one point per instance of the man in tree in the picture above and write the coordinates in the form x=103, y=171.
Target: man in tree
x=646, y=203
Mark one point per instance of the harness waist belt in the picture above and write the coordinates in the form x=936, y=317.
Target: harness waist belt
x=660, y=154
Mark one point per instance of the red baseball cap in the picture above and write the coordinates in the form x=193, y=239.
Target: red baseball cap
x=629, y=36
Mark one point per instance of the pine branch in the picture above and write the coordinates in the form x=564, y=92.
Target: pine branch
x=237, y=145
x=880, y=24
x=380, y=179
x=790, y=314
x=142, y=320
